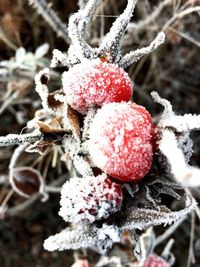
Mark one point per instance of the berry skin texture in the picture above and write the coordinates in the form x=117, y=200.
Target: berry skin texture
x=155, y=261
x=93, y=83
x=89, y=199
x=120, y=141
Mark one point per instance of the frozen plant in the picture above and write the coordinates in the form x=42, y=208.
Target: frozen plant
x=26, y=61
x=117, y=182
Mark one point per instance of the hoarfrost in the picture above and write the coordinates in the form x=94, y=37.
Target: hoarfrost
x=84, y=236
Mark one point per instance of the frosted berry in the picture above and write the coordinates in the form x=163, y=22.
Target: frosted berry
x=89, y=199
x=94, y=82
x=120, y=141
x=155, y=261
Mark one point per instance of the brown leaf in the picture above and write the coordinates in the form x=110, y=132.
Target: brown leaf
x=53, y=126
x=26, y=181
x=74, y=121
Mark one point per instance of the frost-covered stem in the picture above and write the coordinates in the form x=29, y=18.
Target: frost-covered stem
x=83, y=50
x=86, y=16
x=16, y=139
x=51, y=17
x=18, y=151
x=167, y=252
x=112, y=42
x=168, y=111
x=82, y=3
x=136, y=55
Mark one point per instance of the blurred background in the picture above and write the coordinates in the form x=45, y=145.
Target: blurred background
x=173, y=70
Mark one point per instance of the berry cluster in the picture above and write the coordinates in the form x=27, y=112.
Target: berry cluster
x=120, y=139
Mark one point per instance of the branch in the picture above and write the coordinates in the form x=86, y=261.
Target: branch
x=51, y=17
x=16, y=139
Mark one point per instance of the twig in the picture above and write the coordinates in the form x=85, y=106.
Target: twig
x=14, y=139
x=180, y=15
x=51, y=17
x=185, y=36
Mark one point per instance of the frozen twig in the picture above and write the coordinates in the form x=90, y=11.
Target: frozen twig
x=136, y=55
x=16, y=139
x=79, y=48
x=51, y=17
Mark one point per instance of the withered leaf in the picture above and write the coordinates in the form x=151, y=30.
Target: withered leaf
x=52, y=126
x=74, y=121
x=26, y=181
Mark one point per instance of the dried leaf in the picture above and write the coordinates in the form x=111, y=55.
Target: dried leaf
x=26, y=181
x=74, y=121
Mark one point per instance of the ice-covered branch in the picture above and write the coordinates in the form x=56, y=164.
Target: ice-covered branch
x=51, y=17
x=16, y=139
x=136, y=55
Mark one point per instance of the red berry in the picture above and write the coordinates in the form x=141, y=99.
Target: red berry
x=94, y=82
x=155, y=261
x=82, y=263
x=89, y=199
x=121, y=140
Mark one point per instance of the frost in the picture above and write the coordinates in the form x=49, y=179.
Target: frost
x=181, y=147
x=27, y=61
x=84, y=236
x=94, y=198
x=141, y=218
x=50, y=102
x=183, y=173
x=86, y=88
x=120, y=141
x=111, y=43
x=134, y=56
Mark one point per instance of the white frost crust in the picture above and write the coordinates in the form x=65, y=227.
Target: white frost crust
x=88, y=199
x=100, y=239
x=183, y=173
